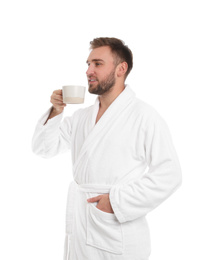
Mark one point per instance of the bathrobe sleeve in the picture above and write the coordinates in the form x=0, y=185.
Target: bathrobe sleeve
x=53, y=137
x=136, y=199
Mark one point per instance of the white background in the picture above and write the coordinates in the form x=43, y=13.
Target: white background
x=44, y=45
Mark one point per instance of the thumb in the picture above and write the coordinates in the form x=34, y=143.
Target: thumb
x=94, y=199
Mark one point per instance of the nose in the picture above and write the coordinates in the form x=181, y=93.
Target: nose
x=90, y=70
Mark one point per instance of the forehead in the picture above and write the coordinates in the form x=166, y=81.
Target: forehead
x=104, y=53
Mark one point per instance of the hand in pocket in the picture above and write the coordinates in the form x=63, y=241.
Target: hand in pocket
x=103, y=203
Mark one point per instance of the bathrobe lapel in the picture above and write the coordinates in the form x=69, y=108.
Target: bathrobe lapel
x=104, y=124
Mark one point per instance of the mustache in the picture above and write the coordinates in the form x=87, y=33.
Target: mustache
x=89, y=78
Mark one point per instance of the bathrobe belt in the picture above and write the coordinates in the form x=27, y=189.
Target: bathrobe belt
x=97, y=188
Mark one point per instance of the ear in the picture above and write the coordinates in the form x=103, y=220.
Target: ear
x=122, y=69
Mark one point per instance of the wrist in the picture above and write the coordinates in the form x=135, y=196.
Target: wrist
x=56, y=111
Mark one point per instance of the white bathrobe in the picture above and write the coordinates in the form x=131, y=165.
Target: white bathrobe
x=112, y=157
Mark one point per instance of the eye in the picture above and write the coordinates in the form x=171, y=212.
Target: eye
x=98, y=64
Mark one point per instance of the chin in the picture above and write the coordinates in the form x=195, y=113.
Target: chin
x=92, y=90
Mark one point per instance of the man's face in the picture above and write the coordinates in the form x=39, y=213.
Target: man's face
x=101, y=70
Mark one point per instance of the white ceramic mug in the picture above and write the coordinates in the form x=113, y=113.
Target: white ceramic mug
x=73, y=94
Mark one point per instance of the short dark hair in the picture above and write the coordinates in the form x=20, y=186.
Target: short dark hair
x=119, y=49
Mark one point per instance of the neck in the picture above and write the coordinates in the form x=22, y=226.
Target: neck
x=107, y=98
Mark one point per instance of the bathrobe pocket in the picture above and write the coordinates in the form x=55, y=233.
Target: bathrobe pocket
x=103, y=230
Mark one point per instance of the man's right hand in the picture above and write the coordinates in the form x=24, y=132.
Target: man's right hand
x=58, y=106
x=57, y=100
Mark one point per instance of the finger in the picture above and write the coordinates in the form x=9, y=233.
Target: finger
x=94, y=199
x=58, y=92
x=58, y=103
x=56, y=97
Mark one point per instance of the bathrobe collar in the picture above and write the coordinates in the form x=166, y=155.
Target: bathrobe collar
x=105, y=122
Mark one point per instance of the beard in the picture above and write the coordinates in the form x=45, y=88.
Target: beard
x=104, y=85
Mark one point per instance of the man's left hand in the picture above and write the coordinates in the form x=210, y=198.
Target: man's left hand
x=103, y=203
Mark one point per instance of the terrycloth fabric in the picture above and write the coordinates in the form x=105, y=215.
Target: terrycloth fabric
x=112, y=157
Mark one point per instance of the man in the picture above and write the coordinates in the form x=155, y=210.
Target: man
x=112, y=144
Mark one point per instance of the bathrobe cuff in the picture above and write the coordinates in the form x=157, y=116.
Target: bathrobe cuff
x=45, y=137
x=114, y=206
x=53, y=121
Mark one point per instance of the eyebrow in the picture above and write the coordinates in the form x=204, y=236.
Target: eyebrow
x=94, y=60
